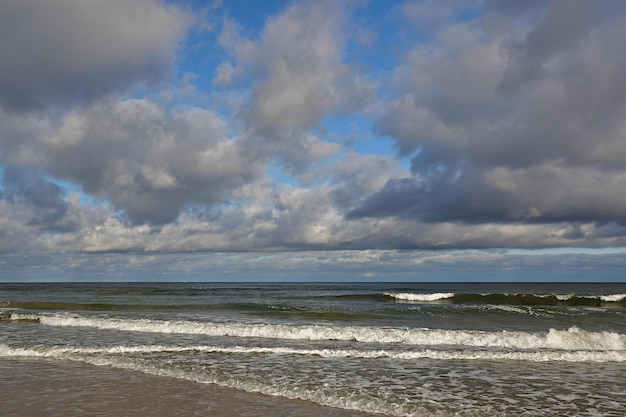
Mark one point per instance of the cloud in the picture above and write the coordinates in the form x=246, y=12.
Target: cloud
x=299, y=74
x=17, y=132
x=511, y=116
x=342, y=265
x=303, y=76
x=68, y=52
x=560, y=30
x=358, y=175
x=44, y=198
x=153, y=164
x=503, y=195
x=150, y=163
x=507, y=120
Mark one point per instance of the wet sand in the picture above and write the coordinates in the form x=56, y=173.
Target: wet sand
x=43, y=388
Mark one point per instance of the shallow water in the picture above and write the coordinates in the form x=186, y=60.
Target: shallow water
x=44, y=388
x=393, y=349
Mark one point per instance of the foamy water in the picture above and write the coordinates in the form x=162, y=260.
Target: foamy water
x=421, y=297
x=396, y=350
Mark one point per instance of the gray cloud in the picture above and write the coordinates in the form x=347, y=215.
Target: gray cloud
x=564, y=25
x=513, y=121
x=517, y=116
x=300, y=77
x=503, y=195
x=149, y=163
x=67, y=52
x=17, y=132
x=44, y=199
x=358, y=175
x=490, y=265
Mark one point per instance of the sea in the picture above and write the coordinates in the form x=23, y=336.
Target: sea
x=394, y=349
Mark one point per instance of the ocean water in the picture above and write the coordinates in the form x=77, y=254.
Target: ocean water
x=417, y=349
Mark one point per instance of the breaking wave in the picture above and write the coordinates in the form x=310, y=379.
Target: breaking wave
x=414, y=354
x=420, y=297
x=570, y=339
x=515, y=299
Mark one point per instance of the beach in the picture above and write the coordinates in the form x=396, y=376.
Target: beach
x=43, y=388
x=313, y=349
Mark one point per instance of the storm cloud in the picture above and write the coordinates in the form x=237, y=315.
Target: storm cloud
x=512, y=117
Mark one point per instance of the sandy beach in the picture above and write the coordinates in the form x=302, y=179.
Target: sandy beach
x=223, y=349
x=42, y=388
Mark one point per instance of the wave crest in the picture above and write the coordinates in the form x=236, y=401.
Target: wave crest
x=420, y=297
x=570, y=339
x=514, y=299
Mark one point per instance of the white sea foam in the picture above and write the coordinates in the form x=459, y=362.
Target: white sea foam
x=328, y=397
x=24, y=316
x=134, y=358
x=10, y=351
x=560, y=297
x=517, y=310
x=571, y=339
x=613, y=298
x=355, y=400
x=82, y=353
x=609, y=298
x=420, y=297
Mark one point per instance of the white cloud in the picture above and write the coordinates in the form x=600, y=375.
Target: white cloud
x=300, y=75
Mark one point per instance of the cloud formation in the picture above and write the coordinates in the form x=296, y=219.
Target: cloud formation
x=300, y=77
x=43, y=197
x=517, y=115
x=134, y=126
x=65, y=52
x=148, y=163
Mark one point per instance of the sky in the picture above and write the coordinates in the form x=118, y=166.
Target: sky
x=418, y=140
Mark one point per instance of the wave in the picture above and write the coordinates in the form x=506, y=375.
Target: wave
x=613, y=298
x=417, y=354
x=571, y=339
x=420, y=297
x=332, y=397
x=63, y=306
x=254, y=309
x=514, y=299
x=69, y=306
x=502, y=299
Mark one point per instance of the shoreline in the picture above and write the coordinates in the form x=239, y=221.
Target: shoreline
x=42, y=388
